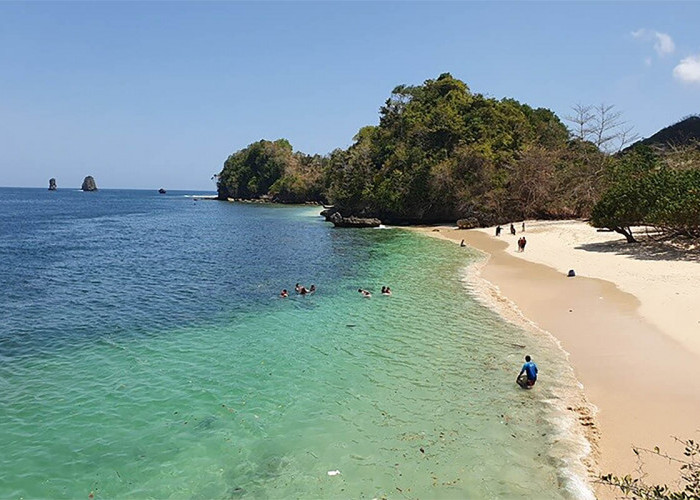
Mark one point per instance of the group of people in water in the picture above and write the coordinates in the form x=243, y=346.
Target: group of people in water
x=301, y=290
x=367, y=294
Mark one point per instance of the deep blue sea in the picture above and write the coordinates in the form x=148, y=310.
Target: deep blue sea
x=145, y=353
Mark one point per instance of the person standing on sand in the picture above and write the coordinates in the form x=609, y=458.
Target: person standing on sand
x=530, y=369
x=498, y=230
x=512, y=229
x=524, y=243
x=523, y=226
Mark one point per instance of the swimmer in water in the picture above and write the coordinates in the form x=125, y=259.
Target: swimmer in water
x=284, y=294
x=364, y=293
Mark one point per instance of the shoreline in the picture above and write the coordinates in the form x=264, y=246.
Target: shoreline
x=637, y=359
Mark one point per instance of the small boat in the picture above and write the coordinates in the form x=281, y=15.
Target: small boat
x=162, y=191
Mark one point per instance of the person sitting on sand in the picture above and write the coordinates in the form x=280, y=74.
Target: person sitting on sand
x=364, y=293
x=530, y=369
x=284, y=294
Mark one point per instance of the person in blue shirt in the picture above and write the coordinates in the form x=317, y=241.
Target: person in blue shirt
x=530, y=370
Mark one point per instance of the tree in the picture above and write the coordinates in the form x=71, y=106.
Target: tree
x=689, y=473
x=602, y=125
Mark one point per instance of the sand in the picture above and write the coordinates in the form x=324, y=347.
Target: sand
x=629, y=320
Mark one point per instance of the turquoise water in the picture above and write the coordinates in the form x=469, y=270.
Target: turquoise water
x=145, y=353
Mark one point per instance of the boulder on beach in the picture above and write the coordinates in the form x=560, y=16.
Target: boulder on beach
x=468, y=223
x=89, y=184
x=52, y=184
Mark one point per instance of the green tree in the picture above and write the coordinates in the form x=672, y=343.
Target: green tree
x=250, y=172
x=689, y=474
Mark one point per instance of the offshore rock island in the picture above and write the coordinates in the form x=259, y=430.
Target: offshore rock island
x=89, y=184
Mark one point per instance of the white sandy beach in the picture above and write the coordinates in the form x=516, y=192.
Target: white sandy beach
x=667, y=284
x=629, y=321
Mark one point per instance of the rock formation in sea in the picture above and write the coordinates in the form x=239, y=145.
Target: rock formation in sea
x=52, y=184
x=89, y=184
x=339, y=221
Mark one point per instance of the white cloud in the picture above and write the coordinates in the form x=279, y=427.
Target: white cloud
x=688, y=70
x=664, y=44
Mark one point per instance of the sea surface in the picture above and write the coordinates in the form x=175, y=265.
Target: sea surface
x=145, y=353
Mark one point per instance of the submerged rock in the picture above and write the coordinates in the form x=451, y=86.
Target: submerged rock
x=52, y=184
x=89, y=184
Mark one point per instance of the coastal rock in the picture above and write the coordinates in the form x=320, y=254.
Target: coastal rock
x=89, y=184
x=52, y=184
x=340, y=221
x=469, y=223
x=328, y=212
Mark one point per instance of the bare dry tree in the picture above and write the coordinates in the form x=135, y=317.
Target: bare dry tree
x=602, y=125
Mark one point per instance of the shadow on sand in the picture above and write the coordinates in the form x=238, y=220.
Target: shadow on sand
x=646, y=249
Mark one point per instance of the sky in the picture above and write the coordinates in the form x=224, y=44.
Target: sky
x=158, y=94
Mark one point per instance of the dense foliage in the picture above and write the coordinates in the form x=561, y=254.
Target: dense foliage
x=441, y=152
x=649, y=190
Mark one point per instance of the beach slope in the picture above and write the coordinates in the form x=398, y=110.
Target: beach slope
x=629, y=321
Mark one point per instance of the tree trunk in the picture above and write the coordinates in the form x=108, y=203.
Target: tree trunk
x=626, y=232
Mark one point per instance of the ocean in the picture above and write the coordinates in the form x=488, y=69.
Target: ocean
x=145, y=353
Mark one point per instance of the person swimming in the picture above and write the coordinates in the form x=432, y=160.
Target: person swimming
x=364, y=293
x=284, y=294
x=312, y=289
x=386, y=290
x=297, y=288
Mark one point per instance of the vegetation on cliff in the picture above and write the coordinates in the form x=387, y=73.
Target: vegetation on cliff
x=441, y=153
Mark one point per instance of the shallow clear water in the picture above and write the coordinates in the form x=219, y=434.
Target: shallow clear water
x=144, y=352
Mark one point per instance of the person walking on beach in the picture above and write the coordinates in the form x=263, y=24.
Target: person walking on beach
x=524, y=243
x=520, y=245
x=498, y=230
x=530, y=371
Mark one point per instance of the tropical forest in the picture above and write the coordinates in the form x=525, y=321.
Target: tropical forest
x=442, y=153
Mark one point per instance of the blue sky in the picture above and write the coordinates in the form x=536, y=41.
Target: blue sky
x=151, y=94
